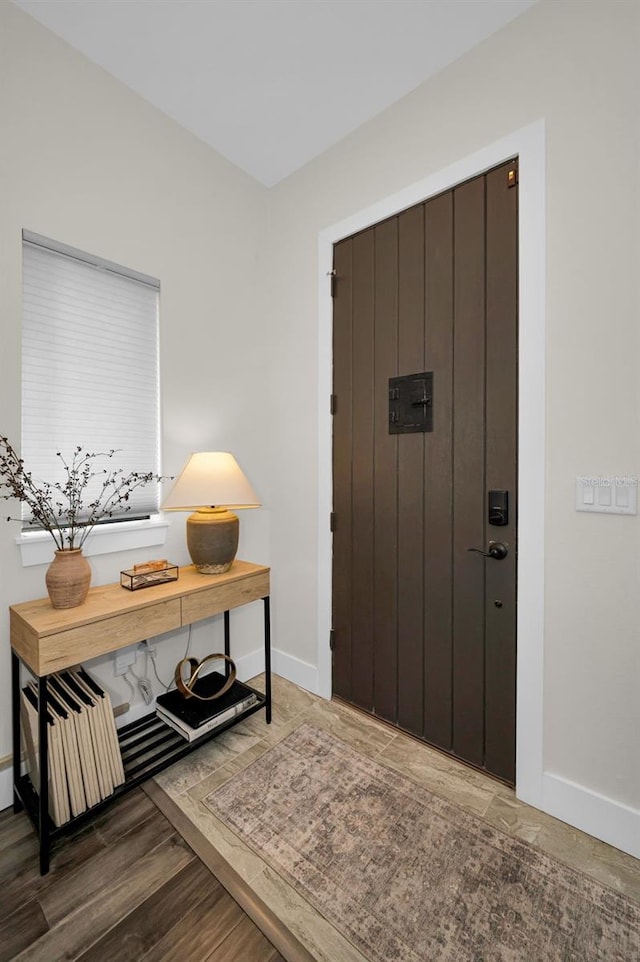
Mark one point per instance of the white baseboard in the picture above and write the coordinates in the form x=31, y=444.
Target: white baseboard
x=6, y=788
x=248, y=666
x=602, y=817
x=301, y=673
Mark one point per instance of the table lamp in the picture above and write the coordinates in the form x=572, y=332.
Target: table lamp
x=210, y=484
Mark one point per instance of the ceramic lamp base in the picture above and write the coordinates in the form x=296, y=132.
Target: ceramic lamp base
x=212, y=539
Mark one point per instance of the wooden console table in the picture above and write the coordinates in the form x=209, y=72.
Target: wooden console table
x=47, y=640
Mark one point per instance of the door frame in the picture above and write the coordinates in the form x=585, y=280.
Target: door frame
x=528, y=143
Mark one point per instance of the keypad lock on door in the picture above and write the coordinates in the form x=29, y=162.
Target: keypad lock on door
x=498, y=507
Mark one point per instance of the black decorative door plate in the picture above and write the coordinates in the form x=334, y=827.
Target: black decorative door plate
x=411, y=403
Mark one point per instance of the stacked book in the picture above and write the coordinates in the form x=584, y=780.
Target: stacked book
x=193, y=718
x=85, y=764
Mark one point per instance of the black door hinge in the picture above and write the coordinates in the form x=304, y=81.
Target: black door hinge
x=333, y=403
x=332, y=274
x=332, y=521
x=332, y=639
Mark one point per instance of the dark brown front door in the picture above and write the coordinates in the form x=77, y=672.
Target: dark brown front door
x=425, y=629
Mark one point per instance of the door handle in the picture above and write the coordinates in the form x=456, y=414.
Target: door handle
x=497, y=550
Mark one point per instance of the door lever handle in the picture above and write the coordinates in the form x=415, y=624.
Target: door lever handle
x=497, y=551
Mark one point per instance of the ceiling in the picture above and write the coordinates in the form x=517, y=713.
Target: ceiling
x=270, y=84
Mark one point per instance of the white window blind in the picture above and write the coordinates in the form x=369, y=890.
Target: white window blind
x=90, y=365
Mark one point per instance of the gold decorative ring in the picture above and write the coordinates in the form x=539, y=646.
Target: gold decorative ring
x=185, y=686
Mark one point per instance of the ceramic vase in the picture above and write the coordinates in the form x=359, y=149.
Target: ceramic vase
x=68, y=578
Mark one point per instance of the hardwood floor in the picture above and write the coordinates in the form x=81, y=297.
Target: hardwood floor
x=126, y=887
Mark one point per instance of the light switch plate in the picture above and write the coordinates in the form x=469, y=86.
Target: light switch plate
x=607, y=495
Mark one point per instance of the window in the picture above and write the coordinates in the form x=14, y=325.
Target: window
x=90, y=364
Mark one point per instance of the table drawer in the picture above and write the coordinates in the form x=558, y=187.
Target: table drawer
x=80, y=644
x=218, y=598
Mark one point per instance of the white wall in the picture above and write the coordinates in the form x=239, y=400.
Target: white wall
x=86, y=162
x=576, y=67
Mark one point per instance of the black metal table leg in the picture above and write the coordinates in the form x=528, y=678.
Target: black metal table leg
x=267, y=656
x=227, y=643
x=15, y=724
x=43, y=799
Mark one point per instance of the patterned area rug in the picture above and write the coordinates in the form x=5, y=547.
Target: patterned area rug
x=408, y=877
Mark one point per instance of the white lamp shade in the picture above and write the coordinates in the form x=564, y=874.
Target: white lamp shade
x=211, y=478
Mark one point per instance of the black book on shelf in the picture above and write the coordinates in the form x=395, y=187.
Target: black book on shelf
x=194, y=712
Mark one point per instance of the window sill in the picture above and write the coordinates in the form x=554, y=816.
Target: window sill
x=37, y=548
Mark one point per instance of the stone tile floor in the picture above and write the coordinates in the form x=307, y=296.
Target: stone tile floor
x=189, y=781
